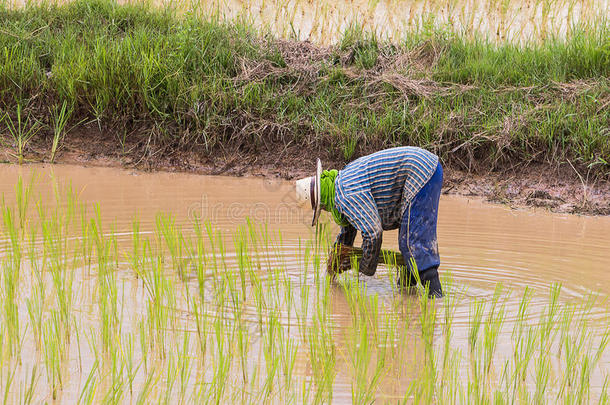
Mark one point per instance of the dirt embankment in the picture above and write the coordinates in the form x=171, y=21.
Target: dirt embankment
x=558, y=189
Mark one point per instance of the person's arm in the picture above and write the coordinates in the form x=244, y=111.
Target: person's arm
x=347, y=235
x=371, y=246
x=339, y=255
x=361, y=210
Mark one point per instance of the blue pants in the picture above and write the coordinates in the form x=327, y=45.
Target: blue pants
x=417, y=235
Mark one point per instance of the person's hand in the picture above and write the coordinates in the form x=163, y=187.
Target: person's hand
x=339, y=259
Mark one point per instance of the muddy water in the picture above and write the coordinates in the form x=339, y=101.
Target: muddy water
x=481, y=245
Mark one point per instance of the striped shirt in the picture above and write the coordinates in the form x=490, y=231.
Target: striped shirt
x=373, y=192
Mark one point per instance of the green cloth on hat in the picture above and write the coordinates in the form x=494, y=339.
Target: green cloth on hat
x=327, y=196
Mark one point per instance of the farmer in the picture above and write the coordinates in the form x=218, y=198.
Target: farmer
x=389, y=189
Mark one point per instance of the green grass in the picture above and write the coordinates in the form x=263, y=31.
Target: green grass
x=152, y=76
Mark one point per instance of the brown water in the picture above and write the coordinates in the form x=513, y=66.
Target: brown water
x=481, y=245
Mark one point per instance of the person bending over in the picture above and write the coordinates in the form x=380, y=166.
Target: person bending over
x=397, y=188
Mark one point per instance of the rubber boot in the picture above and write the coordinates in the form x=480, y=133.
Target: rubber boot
x=430, y=280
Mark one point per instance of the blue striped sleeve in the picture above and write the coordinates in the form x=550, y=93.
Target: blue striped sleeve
x=361, y=211
x=347, y=235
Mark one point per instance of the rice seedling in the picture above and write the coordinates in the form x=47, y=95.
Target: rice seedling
x=146, y=389
x=29, y=386
x=11, y=267
x=184, y=366
x=492, y=329
x=53, y=354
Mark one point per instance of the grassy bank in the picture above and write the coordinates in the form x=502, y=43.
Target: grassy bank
x=150, y=78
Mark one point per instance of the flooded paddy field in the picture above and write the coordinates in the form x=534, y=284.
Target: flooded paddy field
x=325, y=22
x=131, y=287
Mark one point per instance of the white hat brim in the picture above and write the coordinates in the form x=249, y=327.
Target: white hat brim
x=316, y=212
